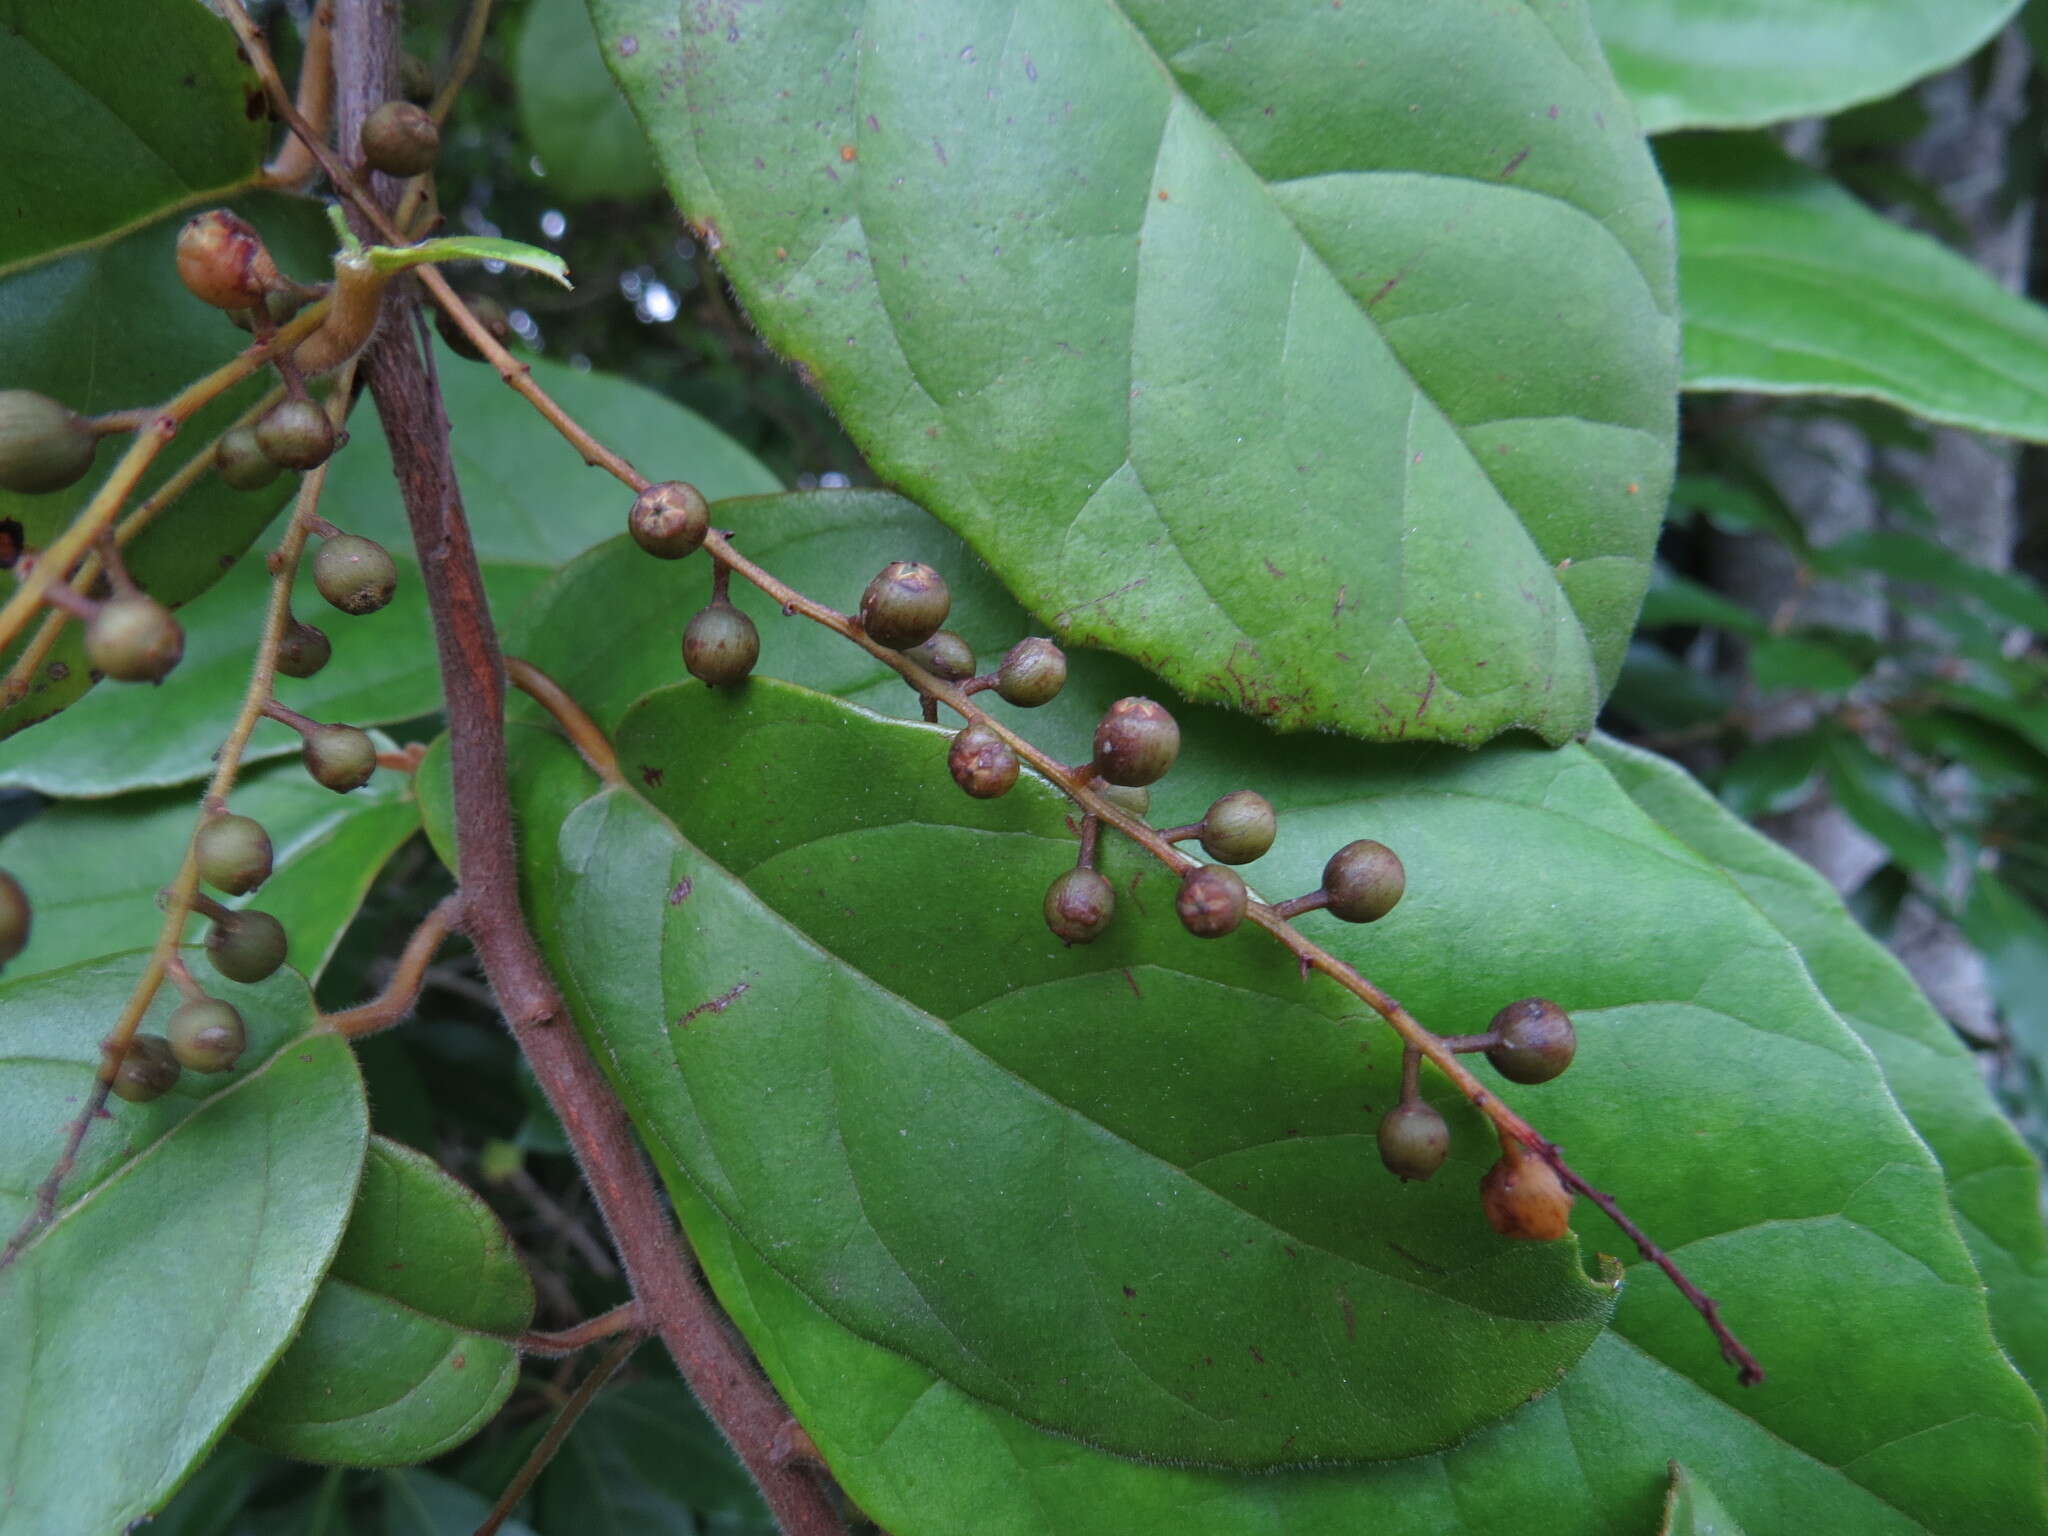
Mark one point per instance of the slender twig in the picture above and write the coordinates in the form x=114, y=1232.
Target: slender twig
x=628, y=1316
x=294, y=163
x=1312, y=956
x=178, y=901
x=558, y=1431
x=467, y=52
x=581, y=730
x=402, y=992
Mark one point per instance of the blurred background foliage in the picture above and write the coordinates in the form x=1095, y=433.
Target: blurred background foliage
x=1843, y=640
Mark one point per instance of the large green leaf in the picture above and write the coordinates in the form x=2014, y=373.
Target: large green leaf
x=1693, y=1509
x=1321, y=362
x=92, y=872
x=188, y=1244
x=1793, y=287
x=1714, y=1088
x=408, y=1348
x=1744, y=63
x=570, y=109
x=1994, y=1184
x=644, y=1461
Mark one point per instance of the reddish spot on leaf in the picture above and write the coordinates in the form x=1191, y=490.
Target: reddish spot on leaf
x=651, y=776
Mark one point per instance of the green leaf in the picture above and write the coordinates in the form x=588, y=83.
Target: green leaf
x=92, y=872
x=214, y=1496
x=1730, y=64
x=1409, y=489
x=420, y=1504
x=570, y=110
x=1810, y=661
x=1793, y=287
x=1659, y=692
x=1773, y=775
x=1673, y=599
x=2008, y=595
x=513, y=253
x=644, y=1461
x=1881, y=800
x=1692, y=1509
x=2012, y=936
x=188, y=1244
x=408, y=1349
x=1994, y=1184
x=1191, y=1265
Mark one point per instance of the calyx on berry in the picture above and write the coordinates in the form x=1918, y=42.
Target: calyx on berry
x=43, y=445
x=1536, y=1041
x=240, y=460
x=355, y=574
x=1239, y=827
x=233, y=853
x=207, y=1035
x=15, y=917
x=400, y=139
x=946, y=656
x=1210, y=901
x=905, y=605
x=246, y=946
x=303, y=649
x=1032, y=673
x=134, y=638
x=1524, y=1198
x=670, y=520
x=296, y=434
x=1364, y=881
x=148, y=1070
x=1414, y=1140
x=982, y=763
x=720, y=645
x=1078, y=906
x=1136, y=743
x=339, y=757
x=223, y=261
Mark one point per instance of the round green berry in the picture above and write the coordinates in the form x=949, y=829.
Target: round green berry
x=43, y=446
x=303, y=649
x=134, y=638
x=1414, y=1140
x=233, y=853
x=1032, y=674
x=905, y=605
x=1537, y=1041
x=400, y=139
x=1078, y=906
x=669, y=520
x=239, y=459
x=982, y=763
x=1364, y=881
x=1211, y=901
x=207, y=1035
x=1136, y=743
x=721, y=645
x=1239, y=827
x=295, y=434
x=148, y=1071
x=246, y=946
x=355, y=574
x=339, y=757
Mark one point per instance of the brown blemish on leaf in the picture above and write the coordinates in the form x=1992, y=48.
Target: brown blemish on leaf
x=1261, y=1359
x=628, y=46
x=1515, y=164
x=652, y=776
x=718, y=1004
x=1132, y=982
x=680, y=893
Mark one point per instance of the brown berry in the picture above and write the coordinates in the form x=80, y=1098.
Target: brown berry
x=669, y=520
x=207, y=1035
x=905, y=605
x=721, y=645
x=1537, y=1041
x=1032, y=674
x=946, y=656
x=1211, y=901
x=339, y=757
x=1239, y=827
x=400, y=139
x=239, y=459
x=355, y=574
x=43, y=446
x=1524, y=1198
x=148, y=1071
x=303, y=649
x=489, y=313
x=296, y=434
x=15, y=917
x=1414, y=1140
x=246, y=946
x=222, y=260
x=134, y=638
x=1364, y=881
x=1078, y=906
x=1136, y=743
x=982, y=763
x=233, y=853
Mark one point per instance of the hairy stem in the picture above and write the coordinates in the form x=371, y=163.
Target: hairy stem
x=551, y=1442
x=581, y=730
x=402, y=992
x=626, y=1317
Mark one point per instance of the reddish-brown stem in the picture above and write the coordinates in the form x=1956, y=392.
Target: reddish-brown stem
x=1288, y=910
x=1411, y=1075
x=284, y=714
x=1091, y=834
x=581, y=730
x=181, y=978
x=1465, y=1045
x=402, y=992
x=551, y=1442
x=626, y=1317
x=1184, y=834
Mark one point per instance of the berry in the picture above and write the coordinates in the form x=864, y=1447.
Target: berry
x=1078, y=906
x=1523, y=1197
x=1211, y=901
x=339, y=757
x=14, y=917
x=1537, y=1041
x=400, y=139
x=302, y=649
x=1364, y=881
x=1239, y=828
x=1032, y=674
x=222, y=260
x=489, y=313
x=945, y=656
x=904, y=605
x=233, y=854
x=1137, y=802
x=982, y=763
x=721, y=645
x=1136, y=742
x=355, y=574
x=669, y=520
x=246, y=946
x=415, y=79
x=134, y=638
x=43, y=446
x=207, y=1035
x=296, y=434
x=148, y=1071
x=1414, y=1140
x=240, y=460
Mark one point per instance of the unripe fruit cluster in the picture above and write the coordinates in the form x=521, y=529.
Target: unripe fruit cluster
x=44, y=447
